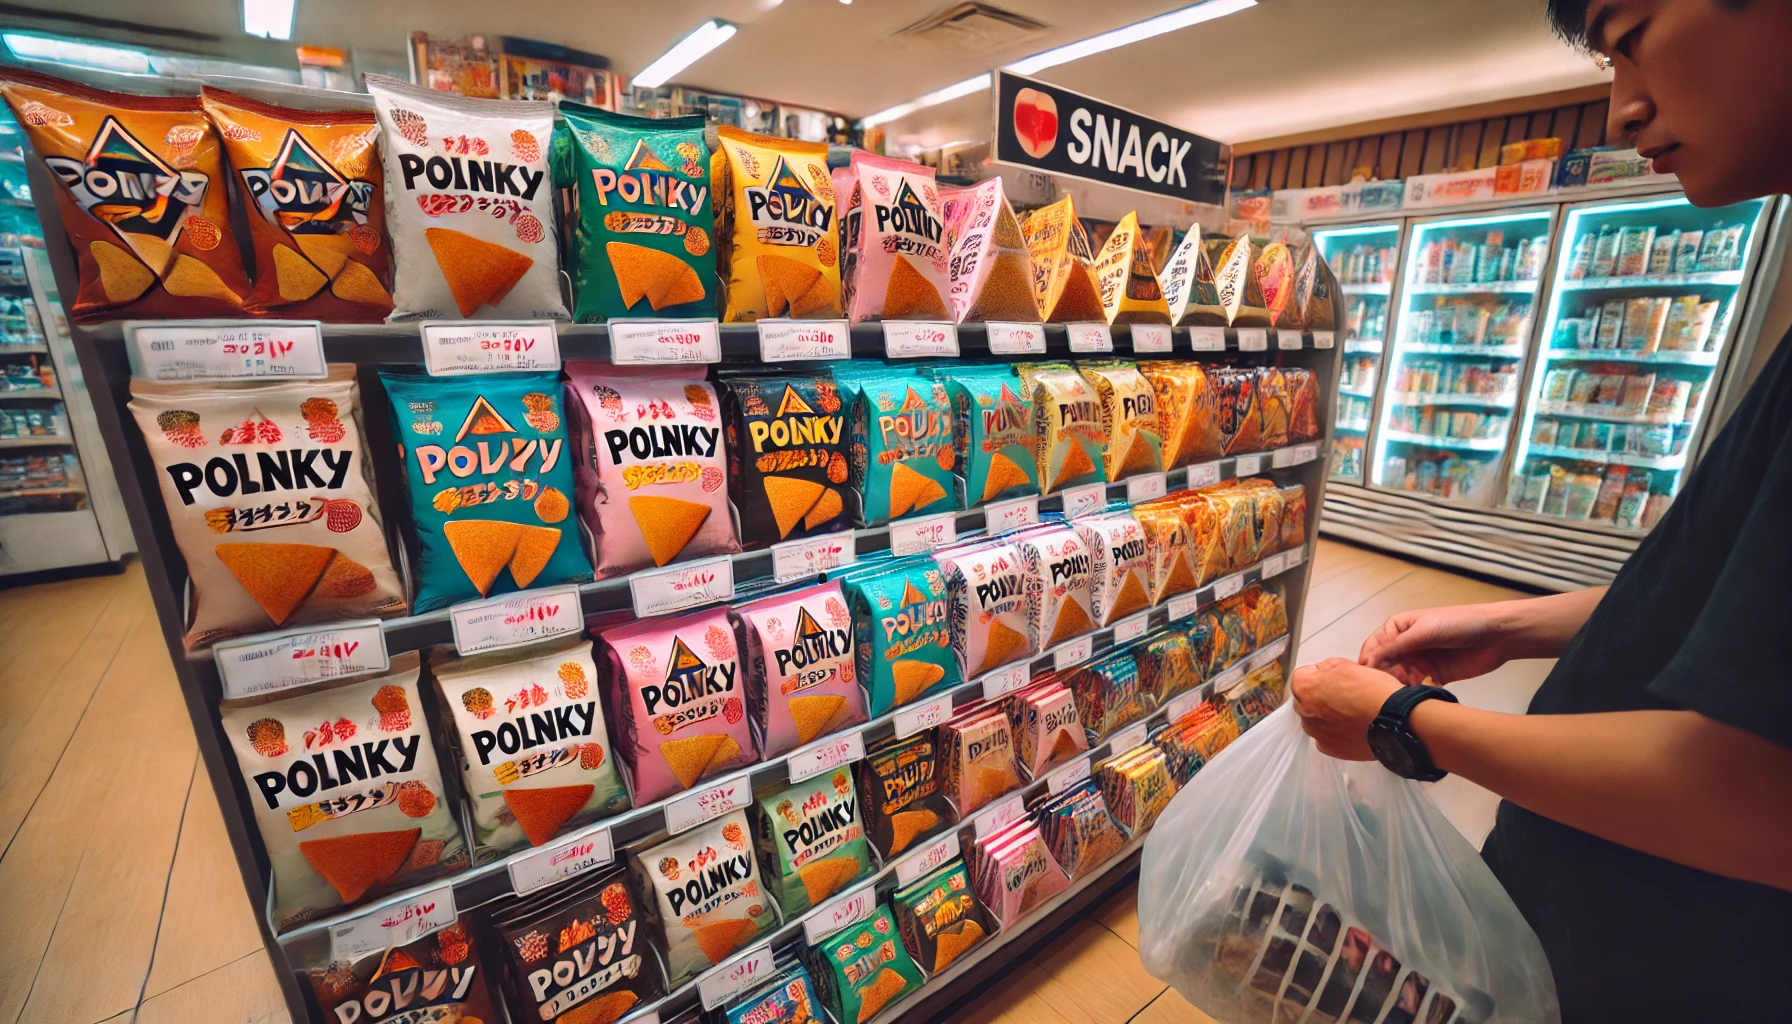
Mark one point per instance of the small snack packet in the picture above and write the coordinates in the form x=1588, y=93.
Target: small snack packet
x=708, y=893
x=1275, y=278
x=987, y=594
x=900, y=613
x=582, y=954
x=1189, y=289
x=979, y=747
x=1303, y=404
x=803, y=665
x=1166, y=663
x=811, y=841
x=901, y=456
x=1079, y=830
x=789, y=473
x=1128, y=418
x=1240, y=424
x=939, y=918
x=1063, y=284
x=1058, y=566
x=1196, y=738
x=1127, y=279
x=1137, y=786
x=1170, y=564
x=1069, y=444
x=1120, y=565
x=991, y=271
x=781, y=241
x=1017, y=871
x=992, y=434
x=437, y=977
x=1108, y=692
x=788, y=998
x=863, y=968
x=1187, y=411
x=1261, y=692
x=1048, y=729
x=1294, y=518
x=899, y=790
x=1235, y=278
x=902, y=252
x=1314, y=289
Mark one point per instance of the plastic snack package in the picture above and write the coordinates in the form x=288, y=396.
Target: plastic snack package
x=439, y=976
x=863, y=968
x=1016, y=871
x=782, y=244
x=1063, y=283
x=991, y=270
x=1109, y=693
x=1048, y=728
x=535, y=755
x=900, y=455
x=901, y=801
x=811, y=840
x=469, y=204
x=992, y=433
x=1128, y=418
x=1294, y=518
x=1240, y=423
x=368, y=817
x=1069, y=443
x=978, y=744
x=1079, y=830
x=708, y=892
x=900, y=613
x=1235, y=278
x=1275, y=269
x=790, y=472
x=1170, y=567
x=1315, y=290
x=902, y=253
x=1137, y=786
x=270, y=496
x=1273, y=408
x=1126, y=279
x=1236, y=881
x=1189, y=289
x=488, y=476
x=1058, y=564
x=1303, y=404
x=1187, y=411
x=1166, y=663
x=938, y=917
x=1196, y=738
x=986, y=586
x=788, y=997
x=582, y=952
x=803, y=661
x=1119, y=565
x=165, y=249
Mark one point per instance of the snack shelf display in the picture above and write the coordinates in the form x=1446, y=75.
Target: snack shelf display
x=1364, y=258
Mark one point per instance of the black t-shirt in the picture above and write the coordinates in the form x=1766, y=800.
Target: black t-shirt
x=1697, y=619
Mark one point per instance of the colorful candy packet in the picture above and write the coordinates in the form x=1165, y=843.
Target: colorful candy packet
x=991, y=271
x=708, y=891
x=788, y=998
x=469, y=203
x=901, y=454
x=1069, y=444
x=1217, y=639
x=1273, y=407
x=675, y=691
x=1189, y=289
x=1261, y=692
x=1240, y=426
x=1120, y=565
x=803, y=666
x=162, y=247
x=811, y=840
x=1058, y=564
x=581, y=953
x=938, y=917
x=1128, y=418
x=1078, y=829
x=310, y=181
x=652, y=469
x=1015, y=871
x=1063, y=283
x=905, y=642
x=1294, y=518
x=862, y=968
x=1194, y=739
x=1303, y=404
x=1275, y=278
x=437, y=977
x=1126, y=278
x=992, y=435
x=1166, y=663
x=1187, y=411
x=1108, y=692
x=1235, y=278
x=346, y=790
x=1048, y=729
x=779, y=250
x=986, y=591
x=1314, y=290
x=1170, y=562
x=789, y=470
x=900, y=271
x=1137, y=786
x=899, y=790
x=978, y=745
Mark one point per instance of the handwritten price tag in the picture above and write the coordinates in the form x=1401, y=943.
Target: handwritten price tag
x=1324, y=339
x=1226, y=586
x=1247, y=465
x=1228, y=679
x=1131, y=628
x=664, y=341
x=1008, y=811
x=1253, y=339
x=825, y=755
x=576, y=854
x=1094, y=337
x=913, y=536
x=927, y=859
x=1006, y=680
x=1129, y=737
x=1145, y=487
x=916, y=339
x=1001, y=517
x=787, y=341
x=395, y=924
x=174, y=350
x=1016, y=339
x=925, y=715
x=1304, y=453
x=797, y=559
x=675, y=588
x=741, y=974
x=1273, y=566
x=514, y=619
x=1295, y=557
x=264, y=664
x=1085, y=501
x=1151, y=338
x=1286, y=340
x=1204, y=474
x=1182, y=704
x=1183, y=605
x=1068, y=776
x=1207, y=339
x=832, y=916
x=455, y=347
x=1281, y=458
x=708, y=803
x=1072, y=653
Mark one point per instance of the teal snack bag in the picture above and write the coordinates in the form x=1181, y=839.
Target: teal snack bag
x=900, y=456
x=641, y=233
x=992, y=433
x=489, y=478
x=901, y=619
x=812, y=840
x=863, y=968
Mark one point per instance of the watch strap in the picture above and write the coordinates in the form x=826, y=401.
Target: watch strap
x=1400, y=703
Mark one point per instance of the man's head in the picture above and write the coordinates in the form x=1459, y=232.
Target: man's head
x=1703, y=87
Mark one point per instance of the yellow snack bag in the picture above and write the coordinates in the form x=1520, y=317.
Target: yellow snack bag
x=1127, y=279
x=1063, y=285
x=781, y=258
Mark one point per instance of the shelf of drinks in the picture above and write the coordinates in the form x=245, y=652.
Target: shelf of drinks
x=34, y=394
x=1356, y=427
x=1367, y=288
x=1363, y=346
x=36, y=442
x=24, y=350
x=1605, y=413
x=1422, y=398
x=1730, y=278
x=477, y=886
x=1366, y=394
x=1463, y=444
x=1478, y=351
x=1612, y=355
x=1474, y=288
x=1550, y=451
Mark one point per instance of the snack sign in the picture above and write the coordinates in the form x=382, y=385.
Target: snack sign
x=1044, y=128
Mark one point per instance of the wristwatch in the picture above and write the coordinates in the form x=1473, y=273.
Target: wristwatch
x=1392, y=741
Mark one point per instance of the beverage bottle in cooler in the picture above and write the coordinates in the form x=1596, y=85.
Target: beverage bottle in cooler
x=1605, y=253
x=1580, y=261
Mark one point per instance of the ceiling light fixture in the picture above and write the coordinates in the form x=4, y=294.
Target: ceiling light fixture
x=950, y=92
x=686, y=52
x=78, y=54
x=269, y=19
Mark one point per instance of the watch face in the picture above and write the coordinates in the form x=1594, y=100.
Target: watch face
x=1385, y=744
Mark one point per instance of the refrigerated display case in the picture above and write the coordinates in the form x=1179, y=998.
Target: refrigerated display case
x=1642, y=311
x=1363, y=257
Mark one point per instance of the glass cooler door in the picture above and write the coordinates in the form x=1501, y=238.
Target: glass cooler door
x=1642, y=307
x=1362, y=256
x=1462, y=331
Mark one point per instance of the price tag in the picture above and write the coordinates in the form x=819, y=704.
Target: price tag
x=263, y=664
x=927, y=859
x=1068, y=776
x=1226, y=586
x=789, y=341
x=1247, y=465
x=1181, y=704
x=1228, y=679
x=1183, y=605
x=1089, y=337
x=1084, y=501
x=1129, y=737
x=1006, y=812
x=176, y=350
x=1001, y=517
x=1204, y=474
x=836, y=914
x=664, y=341
x=914, y=536
x=1004, y=681
x=1304, y=453
x=1253, y=339
x=1281, y=458
x=1286, y=340
x=576, y=854
x=1268, y=654
x=798, y=559
x=1146, y=486
x=677, y=587
x=395, y=924
x=913, y=339
x=1016, y=339
x=513, y=619
x=1272, y=566
x=1131, y=628
x=1072, y=653
x=1207, y=339
x=1295, y=557
x=1324, y=339
x=1151, y=338
x=455, y=347
x=708, y=803
x=925, y=715
x=825, y=755
x=741, y=974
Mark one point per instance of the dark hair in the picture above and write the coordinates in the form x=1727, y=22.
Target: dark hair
x=1569, y=19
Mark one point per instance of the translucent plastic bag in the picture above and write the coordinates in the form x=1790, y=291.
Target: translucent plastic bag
x=1283, y=886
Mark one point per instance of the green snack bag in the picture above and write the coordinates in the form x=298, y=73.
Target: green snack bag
x=640, y=226
x=863, y=968
x=939, y=918
x=992, y=433
x=900, y=456
x=812, y=840
x=905, y=647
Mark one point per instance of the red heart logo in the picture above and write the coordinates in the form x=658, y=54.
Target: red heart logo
x=1035, y=122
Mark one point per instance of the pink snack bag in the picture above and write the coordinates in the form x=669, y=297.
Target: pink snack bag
x=991, y=272
x=987, y=605
x=652, y=474
x=900, y=272
x=802, y=662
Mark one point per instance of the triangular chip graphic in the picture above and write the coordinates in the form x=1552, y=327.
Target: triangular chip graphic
x=812, y=714
x=785, y=281
x=792, y=403
x=1003, y=474
x=396, y=960
x=483, y=419
x=825, y=877
x=1132, y=597
x=1003, y=643
x=642, y=159
x=478, y=272
x=1181, y=579
x=689, y=757
x=910, y=296
x=662, y=278
x=1076, y=464
x=822, y=297
x=911, y=595
x=541, y=812
x=951, y=945
x=990, y=783
x=356, y=863
x=192, y=279
x=791, y=498
x=911, y=490
x=1007, y=233
x=297, y=278
x=123, y=277
x=913, y=677
x=356, y=283
x=278, y=576
x=483, y=547
x=533, y=550
x=683, y=659
x=667, y=524
x=721, y=938
x=151, y=249
x=913, y=402
x=1008, y=291
x=1142, y=457
x=826, y=508
x=1073, y=621
x=1079, y=301
x=906, y=825
x=330, y=252
x=1064, y=746
x=727, y=752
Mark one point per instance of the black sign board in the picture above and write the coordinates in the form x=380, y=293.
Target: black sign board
x=1044, y=128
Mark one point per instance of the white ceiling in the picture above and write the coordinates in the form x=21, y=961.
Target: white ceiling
x=1282, y=67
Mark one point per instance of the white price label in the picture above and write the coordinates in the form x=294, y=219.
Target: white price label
x=576, y=854
x=1272, y=566
x=263, y=664
x=925, y=715
x=1183, y=605
x=1286, y=339
x=1281, y=458
x=914, y=536
x=916, y=339
x=1228, y=679
x=1072, y=653
x=838, y=913
x=927, y=859
x=395, y=924
x=1069, y=775
x=1207, y=339
x=1006, y=680
x=1324, y=339
x=678, y=587
x=825, y=755
x=1146, y=487
x=1085, y=501
x=1253, y=339
x=1247, y=465
x=1001, y=517
x=1295, y=556
x=1007, y=339
x=1182, y=704
x=1151, y=338
x=1006, y=812
x=664, y=341
x=175, y=350
x=708, y=803
x=1267, y=654
x=797, y=559
x=1089, y=337
x=455, y=347
x=1304, y=453
x=741, y=974
x=789, y=341
x=1226, y=586
x=1131, y=628
x=1204, y=474
x=512, y=619
x=1129, y=737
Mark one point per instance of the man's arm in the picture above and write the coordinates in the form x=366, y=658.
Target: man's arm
x=1464, y=641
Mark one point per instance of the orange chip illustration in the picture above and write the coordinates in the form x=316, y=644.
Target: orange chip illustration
x=541, y=812
x=827, y=876
x=910, y=296
x=690, y=757
x=605, y=1009
x=952, y=944
x=123, y=276
x=791, y=498
x=813, y=714
x=913, y=677
x=1132, y=598
x=330, y=252
x=906, y=825
x=1076, y=464
x=344, y=577
x=1073, y=621
x=357, y=863
x=483, y=547
x=786, y=281
x=551, y=506
x=1064, y=746
x=298, y=279
x=478, y=272
x=356, y=283
x=821, y=298
x=190, y=278
x=278, y=576
x=826, y=507
x=662, y=278
x=534, y=547
x=1182, y=577
x=1003, y=474
x=873, y=999
x=1140, y=458
x=911, y=490
x=1003, y=642
x=668, y=524
x=991, y=783
x=721, y=938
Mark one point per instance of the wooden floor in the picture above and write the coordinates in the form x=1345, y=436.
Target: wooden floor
x=123, y=903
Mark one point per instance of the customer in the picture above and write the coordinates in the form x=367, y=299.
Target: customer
x=1647, y=828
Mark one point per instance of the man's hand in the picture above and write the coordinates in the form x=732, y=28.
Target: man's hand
x=1336, y=700
x=1440, y=644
